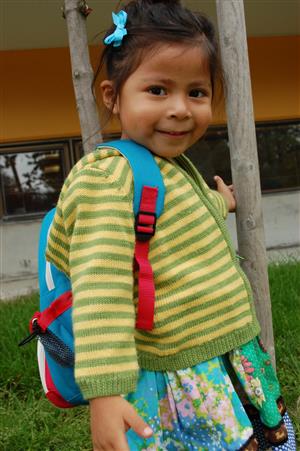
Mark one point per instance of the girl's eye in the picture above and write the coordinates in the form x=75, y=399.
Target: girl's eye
x=157, y=91
x=196, y=93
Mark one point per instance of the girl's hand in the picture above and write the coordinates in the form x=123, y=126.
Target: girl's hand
x=111, y=417
x=227, y=192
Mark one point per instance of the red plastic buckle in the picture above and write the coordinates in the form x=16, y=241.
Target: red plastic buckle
x=145, y=224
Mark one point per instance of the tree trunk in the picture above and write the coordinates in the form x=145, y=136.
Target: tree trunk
x=244, y=159
x=82, y=75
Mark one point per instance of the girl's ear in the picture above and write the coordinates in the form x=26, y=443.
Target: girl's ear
x=108, y=96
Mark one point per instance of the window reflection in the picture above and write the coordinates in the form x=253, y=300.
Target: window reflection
x=30, y=181
x=278, y=147
x=211, y=156
x=279, y=156
x=31, y=176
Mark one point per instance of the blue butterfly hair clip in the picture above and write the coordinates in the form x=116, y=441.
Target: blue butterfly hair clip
x=117, y=36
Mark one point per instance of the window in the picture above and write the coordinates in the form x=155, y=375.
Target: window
x=31, y=177
x=211, y=156
x=278, y=146
x=279, y=156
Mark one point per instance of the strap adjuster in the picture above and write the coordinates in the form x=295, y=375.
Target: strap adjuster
x=145, y=225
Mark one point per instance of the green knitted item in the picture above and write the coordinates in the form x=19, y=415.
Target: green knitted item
x=252, y=365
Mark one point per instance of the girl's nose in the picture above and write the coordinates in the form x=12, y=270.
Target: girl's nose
x=179, y=108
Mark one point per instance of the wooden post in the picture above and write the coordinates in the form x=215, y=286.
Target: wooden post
x=244, y=159
x=75, y=12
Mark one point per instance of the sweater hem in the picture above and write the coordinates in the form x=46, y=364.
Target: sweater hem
x=108, y=385
x=201, y=353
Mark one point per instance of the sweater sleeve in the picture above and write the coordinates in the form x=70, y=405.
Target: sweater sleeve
x=219, y=202
x=92, y=240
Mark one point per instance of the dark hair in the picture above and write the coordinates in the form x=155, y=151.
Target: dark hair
x=153, y=22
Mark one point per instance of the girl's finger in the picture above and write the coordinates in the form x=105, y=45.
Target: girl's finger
x=217, y=179
x=137, y=424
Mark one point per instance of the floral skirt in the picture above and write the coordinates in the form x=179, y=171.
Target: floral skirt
x=230, y=402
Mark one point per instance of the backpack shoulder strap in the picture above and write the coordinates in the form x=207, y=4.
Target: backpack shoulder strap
x=52, y=282
x=45, y=279
x=149, y=193
x=140, y=158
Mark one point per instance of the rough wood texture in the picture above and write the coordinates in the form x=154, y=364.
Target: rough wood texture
x=244, y=159
x=82, y=75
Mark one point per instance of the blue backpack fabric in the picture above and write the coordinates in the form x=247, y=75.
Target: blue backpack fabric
x=52, y=325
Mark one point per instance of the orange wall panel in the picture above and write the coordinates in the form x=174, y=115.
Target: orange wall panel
x=37, y=96
x=37, y=99
x=275, y=74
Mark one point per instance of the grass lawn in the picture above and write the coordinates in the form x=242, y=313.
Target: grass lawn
x=29, y=422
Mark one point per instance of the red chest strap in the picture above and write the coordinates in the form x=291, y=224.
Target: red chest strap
x=145, y=223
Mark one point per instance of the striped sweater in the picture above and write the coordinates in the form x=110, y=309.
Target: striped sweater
x=203, y=304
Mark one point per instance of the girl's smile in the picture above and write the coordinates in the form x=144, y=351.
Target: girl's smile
x=165, y=104
x=174, y=134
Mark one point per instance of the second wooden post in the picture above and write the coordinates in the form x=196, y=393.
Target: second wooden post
x=244, y=159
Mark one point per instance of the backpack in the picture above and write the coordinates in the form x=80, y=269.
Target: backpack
x=52, y=325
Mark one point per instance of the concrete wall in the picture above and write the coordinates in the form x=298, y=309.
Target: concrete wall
x=18, y=264
x=281, y=213
x=19, y=242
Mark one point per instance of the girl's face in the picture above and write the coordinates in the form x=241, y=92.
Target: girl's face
x=165, y=104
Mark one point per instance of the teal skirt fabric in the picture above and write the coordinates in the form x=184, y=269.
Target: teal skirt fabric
x=205, y=407
x=191, y=409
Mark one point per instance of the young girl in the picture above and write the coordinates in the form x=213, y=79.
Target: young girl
x=196, y=380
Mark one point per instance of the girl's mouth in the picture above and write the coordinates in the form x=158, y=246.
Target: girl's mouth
x=171, y=133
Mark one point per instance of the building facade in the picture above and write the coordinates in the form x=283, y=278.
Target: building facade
x=40, y=135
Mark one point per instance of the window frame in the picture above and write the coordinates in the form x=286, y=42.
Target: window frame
x=34, y=146
x=72, y=152
x=213, y=129
x=78, y=148
x=269, y=124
